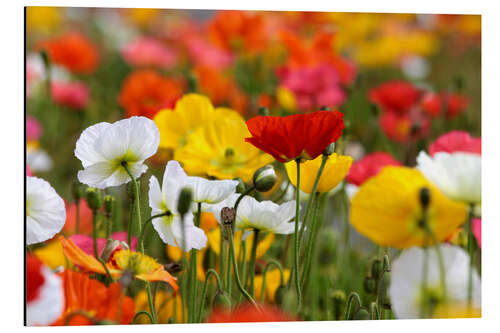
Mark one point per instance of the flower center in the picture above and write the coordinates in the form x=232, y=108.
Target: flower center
x=136, y=262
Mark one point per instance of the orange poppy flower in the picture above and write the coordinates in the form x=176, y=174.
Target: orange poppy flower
x=73, y=51
x=90, y=296
x=145, y=92
x=246, y=314
x=303, y=136
x=238, y=30
x=143, y=267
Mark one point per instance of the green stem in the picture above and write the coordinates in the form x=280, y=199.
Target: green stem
x=145, y=226
x=209, y=273
x=137, y=203
x=150, y=302
x=310, y=241
x=94, y=233
x=193, y=272
x=352, y=296
x=142, y=313
x=130, y=224
x=236, y=274
x=282, y=276
x=311, y=196
x=252, y=260
x=296, y=235
x=442, y=270
x=374, y=311
x=228, y=272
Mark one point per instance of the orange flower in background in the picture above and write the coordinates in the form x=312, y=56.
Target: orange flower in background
x=303, y=136
x=238, y=30
x=143, y=267
x=85, y=218
x=90, y=296
x=246, y=313
x=73, y=51
x=145, y=92
x=221, y=90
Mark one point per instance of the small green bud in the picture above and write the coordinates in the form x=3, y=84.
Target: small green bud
x=279, y=295
x=370, y=285
x=377, y=268
x=361, y=314
x=339, y=296
x=77, y=190
x=184, y=201
x=241, y=185
x=221, y=300
x=109, y=203
x=264, y=178
x=94, y=198
x=330, y=149
x=263, y=111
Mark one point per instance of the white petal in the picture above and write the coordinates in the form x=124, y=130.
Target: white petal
x=38, y=160
x=458, y=175
x=46, y=213
x=211, y=191
x=85, y=146
x=49, y=304
x=195, y=237
x=174, y=179
x=105, y=174
x=144, y=137
x=155, y=195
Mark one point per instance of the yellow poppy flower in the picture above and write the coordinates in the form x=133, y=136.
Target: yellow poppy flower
x=336, y=168
x=273, y=281
x=387, y=209
x=456, y=310
x=286, y=98
x=262, y=246
x=43, y=19
x=218, y=149
x=167, y=306
x=190, y=112
x=52, y=255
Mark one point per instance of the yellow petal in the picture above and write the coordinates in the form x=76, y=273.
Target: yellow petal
x=52, y=255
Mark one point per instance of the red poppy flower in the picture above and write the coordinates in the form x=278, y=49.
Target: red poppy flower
x=454, y=104
x=73, y=51
x=404, y=127
x=300, y=136
x=145, y=92
x=456, y=141
x=91, y=296
x=396, y=96
x=369, y=166
x=246, y=313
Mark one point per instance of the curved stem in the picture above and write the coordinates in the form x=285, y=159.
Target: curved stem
x=374, y=311
x=150, y=302
x=282, y=276
x=252, y=260
x=142, y=313
x=145, y=226
x=310, y=242
x=296, y=234
x=209, y=273
x=352, y=296
x=137, y=203
x=311, y=196
x=193, y=271
x=236, y=274
x=242, y=195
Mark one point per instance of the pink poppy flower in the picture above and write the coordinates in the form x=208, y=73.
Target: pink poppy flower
x=147, y=51
x=456, y=141
x=33, y=129
x=86, y=243
x=74, y=95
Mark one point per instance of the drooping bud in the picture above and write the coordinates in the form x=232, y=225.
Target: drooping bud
x=361, y=314
x=264, y=178
x=279, y=294
x=77, y=190
x=370, y=285
x=241, y=185
x=330, y=149
x=94, y=198
x=222, y=301
x=173, y=267
x=263, y=111
x=339, y=300
x=109, y=203
x=184, y=201
x=377, y=268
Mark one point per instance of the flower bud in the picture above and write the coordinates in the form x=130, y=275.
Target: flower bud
x=94, y=198
x=264, y=178
x=339, y=296
x=361, y=314
x=228, y=216
x=109, y=203
x=184, y=201
x=330, y=149
x=377, y=268
x=263, y=111
x=77, y=190
x=221, y=300
x=241, y=185
x=279, y=294
x=370, y=285
x=324, y=108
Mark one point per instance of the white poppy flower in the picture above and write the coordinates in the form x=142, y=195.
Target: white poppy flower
x=38, y=160
x=45, y=211
x=458, y=174
x=48, y=305
x=104, y=147
x=209, y=191
x=405, y=290
x=165, y=199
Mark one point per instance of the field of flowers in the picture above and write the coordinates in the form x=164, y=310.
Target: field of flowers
x=189, y=166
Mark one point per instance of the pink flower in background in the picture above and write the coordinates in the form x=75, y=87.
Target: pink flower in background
x=86, y=243
x=147, y=51
x=28, y=171
x=476, y=230
x=456, y=141
x=33, y=129
x=74, y=95
x=205, y=54
x=313, y=87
